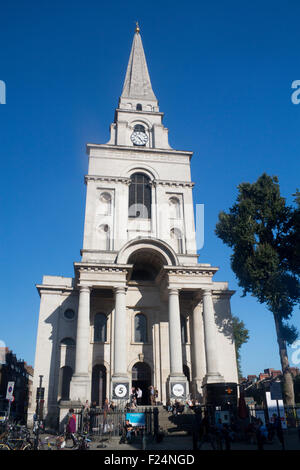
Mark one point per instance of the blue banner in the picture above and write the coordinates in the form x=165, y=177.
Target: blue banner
x=136, y=419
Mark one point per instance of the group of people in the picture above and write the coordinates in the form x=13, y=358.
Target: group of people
x=263, y=433
x=89, y=413
x=136, y=396
x=178, y=407
x=221, y=434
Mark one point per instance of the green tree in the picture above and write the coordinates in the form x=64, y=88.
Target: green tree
x=262, y=230
x=241, y=336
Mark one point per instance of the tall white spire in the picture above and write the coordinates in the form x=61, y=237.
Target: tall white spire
x=137, y=84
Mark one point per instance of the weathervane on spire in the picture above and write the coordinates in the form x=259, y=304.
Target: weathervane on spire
x=137, y=29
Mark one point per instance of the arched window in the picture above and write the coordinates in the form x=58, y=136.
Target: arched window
x=140, y=196
x=98, y=384
x=104, y=233
x=100, y=327
x=139, y=128
x=65, y=377
x=176, y=239
x=184, y=338
x=139, y=107
x=174, y=205
x=67, y=342
x=140, y=328
x=105, y=199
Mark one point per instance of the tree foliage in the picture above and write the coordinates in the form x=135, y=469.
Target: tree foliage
x=263, y=232
x=241, y=336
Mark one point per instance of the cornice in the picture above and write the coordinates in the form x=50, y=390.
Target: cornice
x=190, y=270
x=54, y=289
x=110, y=179
x=160, y=151
x=121, y=179
x=189, y=184
x=139, y=113
x=102, y=267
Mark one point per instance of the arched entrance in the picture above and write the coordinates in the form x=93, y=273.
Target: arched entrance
x=141, y=377
x=99, y=384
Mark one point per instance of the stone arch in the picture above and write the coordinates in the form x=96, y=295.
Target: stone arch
x=143, y=168
x=158, y=247
x=139, y=120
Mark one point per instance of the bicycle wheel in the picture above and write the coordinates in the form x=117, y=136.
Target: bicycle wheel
x=27, y=446
x=4, y=447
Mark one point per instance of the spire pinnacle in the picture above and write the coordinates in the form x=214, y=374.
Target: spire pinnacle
x=137, y=84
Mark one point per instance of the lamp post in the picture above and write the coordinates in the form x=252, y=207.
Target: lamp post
x=36, y=441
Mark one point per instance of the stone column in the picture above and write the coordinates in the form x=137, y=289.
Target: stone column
x=198, y=350
x=80, y=380
x=210, y=340
x=178, y=385
x=175, y=342
x=120, y=334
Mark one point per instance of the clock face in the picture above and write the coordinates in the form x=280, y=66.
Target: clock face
x=139, y=138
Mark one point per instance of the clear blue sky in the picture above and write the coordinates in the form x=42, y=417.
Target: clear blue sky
x=222, y=72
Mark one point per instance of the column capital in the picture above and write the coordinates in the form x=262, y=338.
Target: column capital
x=84, y=288
x=120, y=290
x=173, y=291
x=207, y=292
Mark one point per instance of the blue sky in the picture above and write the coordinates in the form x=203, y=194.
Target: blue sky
x=222, y=72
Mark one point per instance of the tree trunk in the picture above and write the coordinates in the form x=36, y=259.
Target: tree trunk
x=288, y=383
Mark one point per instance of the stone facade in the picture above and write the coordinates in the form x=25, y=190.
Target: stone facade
x=140, y=309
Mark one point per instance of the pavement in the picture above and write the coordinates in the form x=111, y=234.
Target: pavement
x=179, y=443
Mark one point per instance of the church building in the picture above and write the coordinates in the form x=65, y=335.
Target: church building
x=140, y=309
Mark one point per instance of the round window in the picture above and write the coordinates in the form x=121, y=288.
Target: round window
x=69, y=314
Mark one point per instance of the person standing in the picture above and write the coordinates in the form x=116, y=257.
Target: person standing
x=278, y=428
x=71, y=427
x=259, y=432
x=152, y=396
x=139, y=395
x=85, y=416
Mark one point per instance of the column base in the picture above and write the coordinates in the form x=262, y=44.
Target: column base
x=79, y=388
x=178, y=387
x=213, y=378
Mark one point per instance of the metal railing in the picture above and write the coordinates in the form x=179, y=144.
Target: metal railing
x=111, y=423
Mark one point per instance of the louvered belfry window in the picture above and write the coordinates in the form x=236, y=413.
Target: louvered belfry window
x=140, y=196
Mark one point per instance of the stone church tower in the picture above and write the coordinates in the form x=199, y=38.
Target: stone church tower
x=140, y=310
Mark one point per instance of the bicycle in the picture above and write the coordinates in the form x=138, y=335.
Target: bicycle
x=82, y=442
x=16, y=438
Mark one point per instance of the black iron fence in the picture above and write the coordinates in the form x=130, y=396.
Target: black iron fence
x=111, y=423
x=291, y=414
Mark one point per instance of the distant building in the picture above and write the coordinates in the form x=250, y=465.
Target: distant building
x=14, y=370
x=263, y=376
x=252, y=378
x=272, y=372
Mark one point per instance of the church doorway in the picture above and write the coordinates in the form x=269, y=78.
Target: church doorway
x=98, y=384
x=141, y=377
